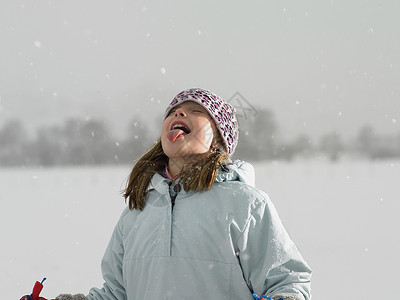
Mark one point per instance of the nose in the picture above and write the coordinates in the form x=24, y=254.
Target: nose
x=180, y=112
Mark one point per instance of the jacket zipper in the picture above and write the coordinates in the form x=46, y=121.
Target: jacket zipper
x=174, y=189
x=173, y=202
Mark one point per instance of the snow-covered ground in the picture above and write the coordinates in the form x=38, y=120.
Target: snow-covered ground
x=56, y=223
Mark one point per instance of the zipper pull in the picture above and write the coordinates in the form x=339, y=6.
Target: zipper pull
x=174, y=189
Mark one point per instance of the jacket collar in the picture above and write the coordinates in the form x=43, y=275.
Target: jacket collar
x=236, y=171
x=159, y=183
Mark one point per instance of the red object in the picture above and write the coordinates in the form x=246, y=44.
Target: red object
x=35, y=292
x=37, y=289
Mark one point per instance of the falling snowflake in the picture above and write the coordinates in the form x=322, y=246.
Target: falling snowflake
x=37, y=44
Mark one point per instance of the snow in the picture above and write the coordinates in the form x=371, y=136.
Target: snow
x=56, y=223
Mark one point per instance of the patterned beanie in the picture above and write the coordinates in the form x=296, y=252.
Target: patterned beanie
x=223, y=113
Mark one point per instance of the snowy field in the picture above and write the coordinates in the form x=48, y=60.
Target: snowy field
x=56, y=223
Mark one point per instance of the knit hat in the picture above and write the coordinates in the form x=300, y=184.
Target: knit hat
x=223, y=114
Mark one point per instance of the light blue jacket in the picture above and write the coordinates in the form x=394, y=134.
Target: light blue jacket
x=224, y=243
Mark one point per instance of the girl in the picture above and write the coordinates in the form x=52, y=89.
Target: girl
x=196, y=227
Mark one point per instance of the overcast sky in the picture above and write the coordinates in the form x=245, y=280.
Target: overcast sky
x=320, y=66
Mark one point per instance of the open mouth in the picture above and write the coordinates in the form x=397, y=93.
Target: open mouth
x=178, y=129
x=180, y=126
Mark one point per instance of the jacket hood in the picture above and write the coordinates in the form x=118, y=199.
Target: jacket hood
x=238, y=170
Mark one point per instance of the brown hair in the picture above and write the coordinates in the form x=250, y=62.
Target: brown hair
x=197, y=175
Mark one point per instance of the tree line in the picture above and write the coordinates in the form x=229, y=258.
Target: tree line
x=91, y=142
x=75, y=142
x=259, y=140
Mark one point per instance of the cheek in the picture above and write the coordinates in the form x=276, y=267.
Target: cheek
x=164, y=131
x=164, y=125
x=165, y=128
x=208, y=135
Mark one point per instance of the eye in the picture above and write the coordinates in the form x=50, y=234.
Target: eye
x=171, y=112
x=197, y=111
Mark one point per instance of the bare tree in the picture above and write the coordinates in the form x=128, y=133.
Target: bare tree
x=13, y=141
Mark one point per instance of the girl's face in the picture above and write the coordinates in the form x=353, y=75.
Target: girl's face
x=187, y=130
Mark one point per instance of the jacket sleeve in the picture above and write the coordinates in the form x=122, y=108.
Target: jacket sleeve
x=270, y=261
x=111, y=267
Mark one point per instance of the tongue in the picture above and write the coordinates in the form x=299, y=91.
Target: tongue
x=173, y=134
